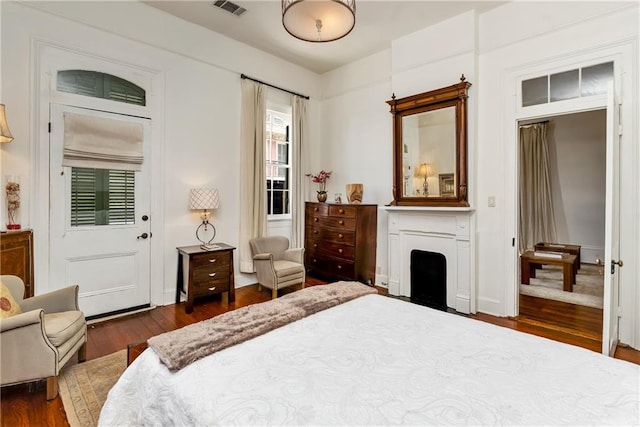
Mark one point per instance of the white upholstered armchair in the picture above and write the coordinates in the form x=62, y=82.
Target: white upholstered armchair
x=277, y=266
x=38, y=341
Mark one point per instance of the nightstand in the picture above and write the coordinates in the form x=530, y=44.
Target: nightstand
x=205, y=272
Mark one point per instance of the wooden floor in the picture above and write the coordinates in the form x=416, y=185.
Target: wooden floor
x=25, y=405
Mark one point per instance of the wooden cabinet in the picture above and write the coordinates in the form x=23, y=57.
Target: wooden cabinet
x=204, y=273
x=340, y=241
x=16, y=257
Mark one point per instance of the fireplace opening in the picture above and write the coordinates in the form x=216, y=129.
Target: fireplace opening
x=429, y=279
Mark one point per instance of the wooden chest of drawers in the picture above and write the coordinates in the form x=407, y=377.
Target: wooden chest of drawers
x=16, y=257
x=340, y=241
x=202, y=273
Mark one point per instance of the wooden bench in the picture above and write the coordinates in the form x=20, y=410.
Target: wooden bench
x=560, y=247
x=529, y=260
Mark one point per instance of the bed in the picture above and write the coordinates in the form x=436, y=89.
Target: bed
x=376, y=360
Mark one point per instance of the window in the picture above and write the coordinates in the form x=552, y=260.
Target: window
x=102, y=197
x=100, y=85
x=586, y=81
x=278, y=166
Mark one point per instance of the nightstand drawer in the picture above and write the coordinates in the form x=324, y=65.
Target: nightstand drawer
x=211, y=260
x=210, y=287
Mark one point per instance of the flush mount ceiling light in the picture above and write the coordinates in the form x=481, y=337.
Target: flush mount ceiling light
x=319, y=20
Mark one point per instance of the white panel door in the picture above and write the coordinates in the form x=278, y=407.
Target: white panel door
x=612, y=227
x=108, y=255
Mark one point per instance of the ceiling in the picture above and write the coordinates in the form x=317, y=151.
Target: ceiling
x=377, y=24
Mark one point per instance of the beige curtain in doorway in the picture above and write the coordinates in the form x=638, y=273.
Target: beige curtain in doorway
x=537, y=222
x=253, y=193
x=299, y=161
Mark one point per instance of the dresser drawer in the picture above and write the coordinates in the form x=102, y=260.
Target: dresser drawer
x=342, y=211
x=312, y=209
x=331, y=235
x=336, y=250
x=340, y=223
x=331, y=267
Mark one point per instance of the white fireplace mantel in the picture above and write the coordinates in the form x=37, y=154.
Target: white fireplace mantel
x=446, y=230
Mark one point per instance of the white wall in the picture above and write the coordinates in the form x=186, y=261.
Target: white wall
x=199, y=115
x=577, y=156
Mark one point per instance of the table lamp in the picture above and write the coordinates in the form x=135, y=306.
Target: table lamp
x=204, y=199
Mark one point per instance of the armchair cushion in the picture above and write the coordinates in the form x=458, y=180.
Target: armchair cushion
x=287, y=268
x=8, y=305
x=61, y=327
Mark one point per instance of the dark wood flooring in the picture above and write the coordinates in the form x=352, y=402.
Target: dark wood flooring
x=25, y=405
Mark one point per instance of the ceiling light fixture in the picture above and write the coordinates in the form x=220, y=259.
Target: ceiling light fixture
x=318, y=21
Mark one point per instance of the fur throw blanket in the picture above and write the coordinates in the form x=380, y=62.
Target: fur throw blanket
x=177, y=349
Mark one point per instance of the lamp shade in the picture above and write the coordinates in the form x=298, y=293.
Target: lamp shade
x=318, y=20
x=204, y=198
x=5, y=133
x=425, y=170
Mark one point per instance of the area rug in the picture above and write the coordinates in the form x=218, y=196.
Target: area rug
x=84, y=387
x=588, y=289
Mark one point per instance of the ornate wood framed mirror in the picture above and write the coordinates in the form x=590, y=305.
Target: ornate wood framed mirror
x=430, y=147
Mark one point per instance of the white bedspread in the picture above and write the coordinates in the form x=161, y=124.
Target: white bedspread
x=380, y=361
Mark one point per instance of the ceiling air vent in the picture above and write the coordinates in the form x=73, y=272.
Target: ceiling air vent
x=230, y=7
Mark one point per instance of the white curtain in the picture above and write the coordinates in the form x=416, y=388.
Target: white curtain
x=299, y=160
x=101, y=143
x=253, y=194
x=537, y=222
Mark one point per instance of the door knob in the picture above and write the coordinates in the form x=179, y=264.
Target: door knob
x=142, y=236
x=145, y=217
x=619, y=263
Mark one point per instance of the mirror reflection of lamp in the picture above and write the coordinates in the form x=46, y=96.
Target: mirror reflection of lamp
x=425, y=171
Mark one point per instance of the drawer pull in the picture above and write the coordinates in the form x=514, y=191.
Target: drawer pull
x=212, y=260
x=213, y=288
x=315, y=260
x=212, y=274
x=340, y=250
x=315, y=219
x=340, y=235
x=315, y=245
x=339, y=267
x=315, y=231
x=341, y=222
x=341, y=211
x=315, y=209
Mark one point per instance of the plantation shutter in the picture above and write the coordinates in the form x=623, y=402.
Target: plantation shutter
x=96, y=142
x=102, y=197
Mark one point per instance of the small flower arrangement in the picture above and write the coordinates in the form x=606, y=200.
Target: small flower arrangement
x=321, y=178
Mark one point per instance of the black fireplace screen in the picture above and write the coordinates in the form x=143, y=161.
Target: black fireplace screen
x=429, y=279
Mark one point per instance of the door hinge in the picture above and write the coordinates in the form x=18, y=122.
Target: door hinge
x=619, y=130
x=49, y=127
x=513, y=242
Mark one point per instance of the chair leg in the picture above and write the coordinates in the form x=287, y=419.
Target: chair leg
x=52, y=387
x=259, y=287
x=274, y=293
x=82, y=353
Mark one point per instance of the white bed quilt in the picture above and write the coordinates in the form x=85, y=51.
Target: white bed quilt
x=380, y=361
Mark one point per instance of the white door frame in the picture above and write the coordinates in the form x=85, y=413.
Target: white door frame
x=49, y=57
x=621, y=55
